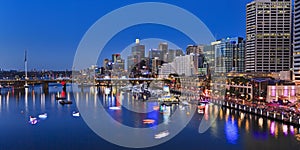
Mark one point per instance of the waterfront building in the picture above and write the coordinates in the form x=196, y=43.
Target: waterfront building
x=268, y=36
x=283, y=92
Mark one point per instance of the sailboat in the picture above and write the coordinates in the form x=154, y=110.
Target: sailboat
x=26, y=77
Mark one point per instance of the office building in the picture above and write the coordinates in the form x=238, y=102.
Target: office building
x=268, y=36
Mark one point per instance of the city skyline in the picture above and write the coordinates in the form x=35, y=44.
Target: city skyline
x=51, y=31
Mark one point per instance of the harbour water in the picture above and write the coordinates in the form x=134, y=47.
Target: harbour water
x=60, y=130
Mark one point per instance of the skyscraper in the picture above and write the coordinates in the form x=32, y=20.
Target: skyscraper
x=209, y=54
x=229, y=55
x=117, y=62
x=268, y=35
x=173, y=53
x=297, y=41
x=155, y=53
x=137, y=55
x=164, y=48
x=196, y=51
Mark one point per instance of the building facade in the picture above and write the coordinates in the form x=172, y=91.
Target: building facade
x=229, y=55
x=173, y=53
x=136, y=57
x=197, y=52
x=268, y=36
x=182, y=65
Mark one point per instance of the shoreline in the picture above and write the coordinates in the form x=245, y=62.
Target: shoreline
x=280, y=116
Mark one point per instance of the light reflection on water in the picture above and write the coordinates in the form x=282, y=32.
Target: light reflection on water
x=235, y=127
x=231, y=131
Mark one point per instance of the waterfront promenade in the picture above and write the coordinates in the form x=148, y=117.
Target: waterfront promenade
x=289, y=114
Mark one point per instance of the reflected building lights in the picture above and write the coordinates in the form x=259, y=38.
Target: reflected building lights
x=292, y=130
x=7, y=101
x=227, y=114
x=239, y=122
x=231, y=131
x=260, y=122
x=95, y=99
x=272, y=128
x=77, y=98
x=242, y=116
x=285, y=129
x=247, y=125
x=86, y=99
x=276, y=131
x=235, y=120
x=206, y=112
x=52, y=100
x=43, y=102
x=26, y=99
x=68, y=96
x=221, y=114
x=33, y=99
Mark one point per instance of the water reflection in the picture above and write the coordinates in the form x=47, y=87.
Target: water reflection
x=231, y=131
x=237, y=127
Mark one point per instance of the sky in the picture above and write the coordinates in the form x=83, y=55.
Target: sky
x=51, y=30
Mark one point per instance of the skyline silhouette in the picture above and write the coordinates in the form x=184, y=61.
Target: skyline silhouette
x=51, y=30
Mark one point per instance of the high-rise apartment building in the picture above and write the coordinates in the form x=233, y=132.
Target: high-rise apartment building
x=268, y=36
x=229, y=55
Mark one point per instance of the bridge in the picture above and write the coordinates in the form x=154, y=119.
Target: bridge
x=19, y=84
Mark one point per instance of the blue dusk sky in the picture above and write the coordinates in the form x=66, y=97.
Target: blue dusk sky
x=51, y=30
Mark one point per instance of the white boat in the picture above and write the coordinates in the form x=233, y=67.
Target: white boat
x=43, y=116
x=75, y=114
x=114, y=108
x=161, y=135
x=33, y=120
x=200, y=111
